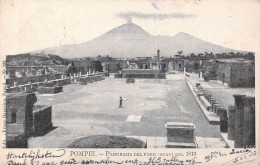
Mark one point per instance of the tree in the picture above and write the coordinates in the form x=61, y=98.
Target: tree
x=231, y=54
x=180, y=52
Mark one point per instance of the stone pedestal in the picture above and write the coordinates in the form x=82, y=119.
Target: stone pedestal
x=215, y=107
x=219, y=108
x=50, y=90
x=180, y=135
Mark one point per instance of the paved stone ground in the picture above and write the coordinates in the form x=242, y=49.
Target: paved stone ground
x=93, y=110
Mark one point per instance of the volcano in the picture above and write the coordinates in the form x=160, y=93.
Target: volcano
x=130, y=40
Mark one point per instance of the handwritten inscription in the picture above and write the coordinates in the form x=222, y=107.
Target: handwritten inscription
x=59, y=157
x=33, y=157
x=244, y=155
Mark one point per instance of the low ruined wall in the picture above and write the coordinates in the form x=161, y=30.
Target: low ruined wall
x=42, y=119
x=144, y=76
x=141, y=71
x=37, y=78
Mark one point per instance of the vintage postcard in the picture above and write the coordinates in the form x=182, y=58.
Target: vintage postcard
x=170, y=82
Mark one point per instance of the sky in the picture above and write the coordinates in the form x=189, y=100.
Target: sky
x=31, y=25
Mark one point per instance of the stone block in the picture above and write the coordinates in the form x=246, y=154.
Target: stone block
x=118, y=75
x=50, y=90
x=180, y=134
x=130, y=80
x=19, y=141
x=89, y=79
x=197, y=84
x=218, y=110
x=83, y=81
x=215, y=106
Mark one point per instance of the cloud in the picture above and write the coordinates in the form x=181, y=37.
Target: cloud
x=128, y=16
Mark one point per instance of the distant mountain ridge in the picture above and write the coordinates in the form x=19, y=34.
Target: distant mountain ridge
x=130, y=40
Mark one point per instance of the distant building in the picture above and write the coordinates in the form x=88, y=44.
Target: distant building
x=236, y=72
x=87, y=65
x=172, y=64
x=112, y=65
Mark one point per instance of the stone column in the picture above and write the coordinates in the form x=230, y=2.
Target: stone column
x=223, y=120
x=158, y=60
x=231, y=123
x=26, y=89
x=15, y=84
x=184, y=72
x=201, y=77
x=249, y=123
x=239, y=120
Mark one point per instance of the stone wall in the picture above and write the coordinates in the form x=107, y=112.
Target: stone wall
x=223, y=73
x=42, y=119
x=242, y=76
x=143, y=74
x=236, y=75
x=19, y=107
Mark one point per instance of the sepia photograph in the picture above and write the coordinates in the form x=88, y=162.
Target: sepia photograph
x=127, y=74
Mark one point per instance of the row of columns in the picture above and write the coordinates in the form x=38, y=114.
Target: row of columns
x=239, y=122
x=215, y=106
x=73, y=78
